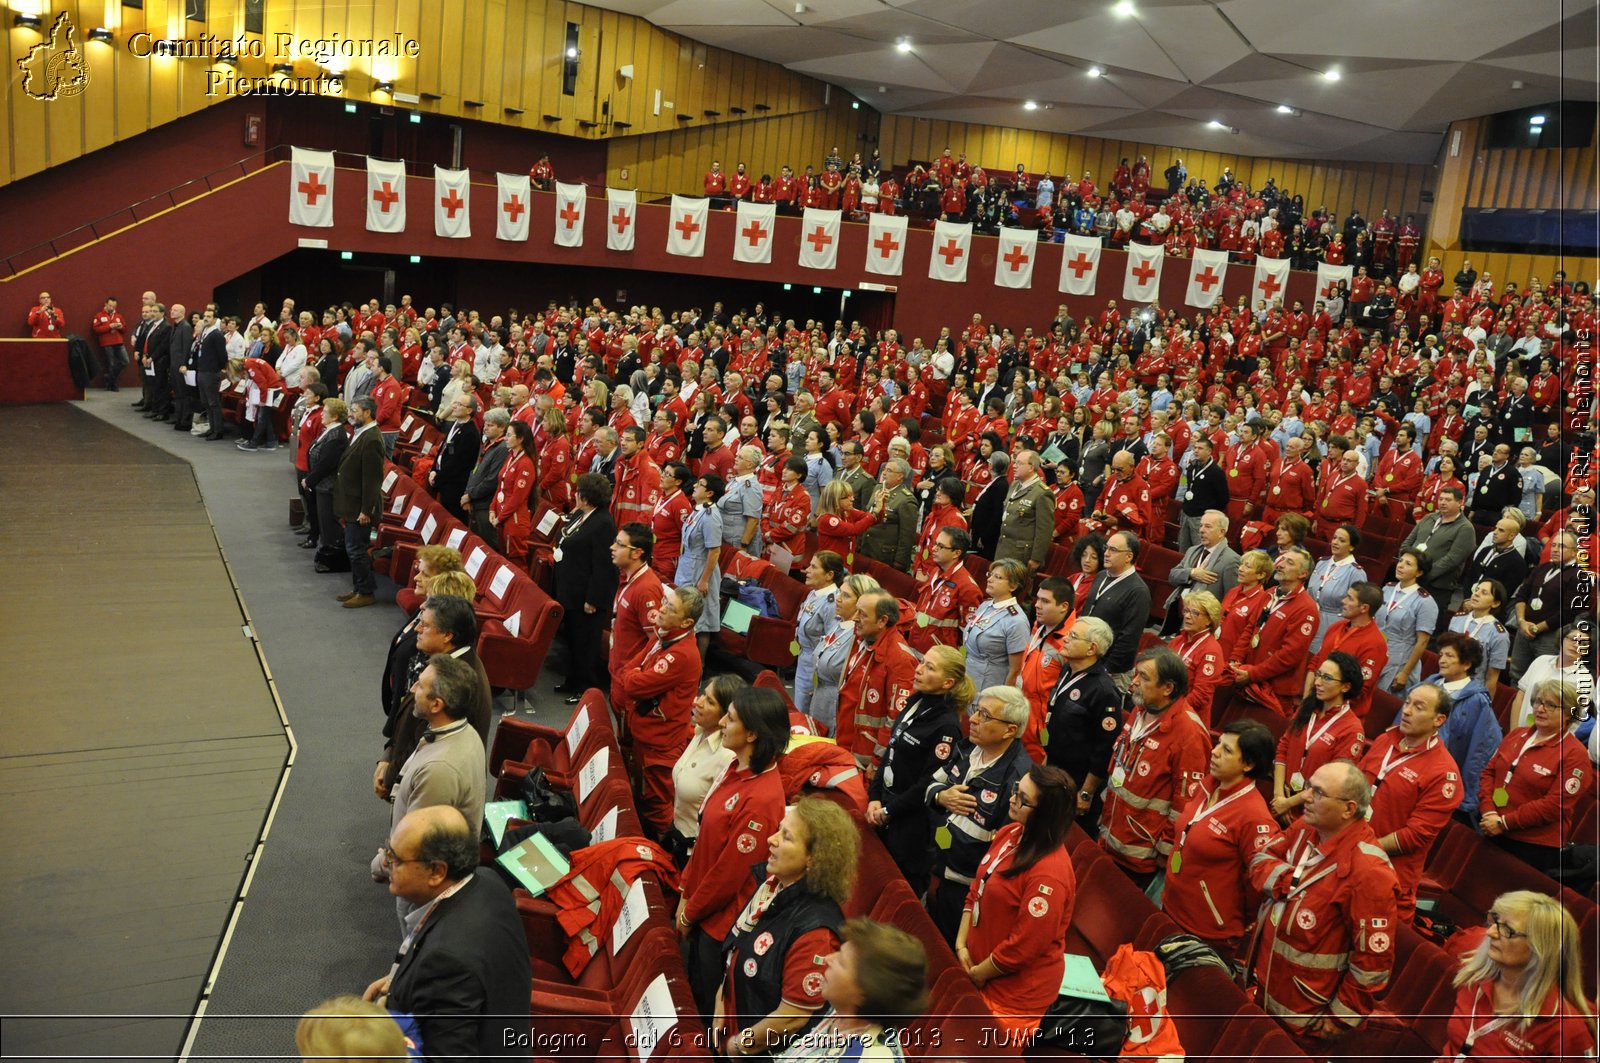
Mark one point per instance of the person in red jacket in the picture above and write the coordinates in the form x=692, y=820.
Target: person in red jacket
x=1326, y=728
x=1269, y=660
x=1156, y=766
x=667, y=519
x=638, y=480
x=108, y=328
x=1342, y=495
x=519, y=477
x=1399, y=473
x=1356, y=633
x=556, y=472
x=1293, y=484
x=1519, y=992
x=264, y=379
x=1415, y=786
x=45, y=320
x=784, y=520
x=1328, y=927
x=1220, y=830
x=1160, y=475
x=1530, y=793
x=1013, y=932
x=743, y=807
x=633, y=611
x=1069, y=504
x=1247, y=475
x=388, y=393
x=877, y=680
x=658, y=687
x=948, y=594
x=716, y=182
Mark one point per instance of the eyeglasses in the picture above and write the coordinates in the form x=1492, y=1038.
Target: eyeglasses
x=1546, y=703
x=983, y=716
x=1330, y=678
x=1320, y=794
x=1502, y=928
x=392, y=859
x=1016, y=795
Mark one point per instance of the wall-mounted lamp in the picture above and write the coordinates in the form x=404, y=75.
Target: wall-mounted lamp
x=100, y=33
x=584, y=123
x=31, y=22
x=762, y=107
x=513, y=110
x=430, y=96
x=472, y=103
x=621, y=125
x=685, y=117
x=713, y=114
x=738, y=110
x=283, y=68
x=552, y=118
x=384, y=86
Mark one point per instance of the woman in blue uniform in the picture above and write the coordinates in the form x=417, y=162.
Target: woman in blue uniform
x=1333, y=576
x=812, y=623
x=1407, y=619
x=998, y=631
x=697, y=564
x=832, y=653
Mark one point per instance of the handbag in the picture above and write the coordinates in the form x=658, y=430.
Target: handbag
x=546, y=803
x=1093, y=1028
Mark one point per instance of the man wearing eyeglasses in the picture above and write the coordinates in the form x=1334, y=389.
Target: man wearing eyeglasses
x=1328, y=923
x=462, y=968
x=1085, y=715
x=1416, y=786
x=1120, y=597
x=1269, y=661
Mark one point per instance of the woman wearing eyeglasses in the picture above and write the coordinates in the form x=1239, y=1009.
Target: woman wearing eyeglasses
x=1325, y=729
x=1013, y=932
x=1529, y=794
x=1198, y=646
x=1519, y=994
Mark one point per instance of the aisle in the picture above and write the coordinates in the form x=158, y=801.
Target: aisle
x=314, y=923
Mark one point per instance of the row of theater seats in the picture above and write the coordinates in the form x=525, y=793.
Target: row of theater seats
x=517, y=619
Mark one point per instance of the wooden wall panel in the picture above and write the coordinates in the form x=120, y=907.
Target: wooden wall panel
x=1341, y=186
x=1528, y=178
x=1506, y=266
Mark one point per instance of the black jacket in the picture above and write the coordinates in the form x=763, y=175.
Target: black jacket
x=987, y=513
x=485, y=477
x=456, y=458
x=1085, y=717
x=213, y=356
x=1209, y=490
x=180, y=337
x=467, y=977
x=322, y=460
x=925, y=737
x=1126, y=607
x=585, y=574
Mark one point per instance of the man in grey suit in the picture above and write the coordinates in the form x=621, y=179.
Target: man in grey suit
x=485, y=478
x=358, y=499
x=1210, y=565
x=180, y=338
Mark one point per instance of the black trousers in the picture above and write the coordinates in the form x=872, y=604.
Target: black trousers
x=183, y=399
x=209, y=385
x=702, y=954
x=308, y=502
x=584, y=632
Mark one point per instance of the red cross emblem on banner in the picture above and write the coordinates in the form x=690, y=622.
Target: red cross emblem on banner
x=1080, y=265
x=312, y=188
x=1016, y=258
x=1143, y=272
x=1269, y=286
x=754, y=233
x=452, y=203
x=386, y=196
x=513, y=207
x=819, y=240
x=686, y=227
x=620, y=219
x=1207, y=277
x=950, y=252
x=886, y=245
x=569, y=213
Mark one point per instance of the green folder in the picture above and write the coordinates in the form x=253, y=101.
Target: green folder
x=498, y=813
x=736, y=617
x=536, y=863
x=1053, y=455
x=1080, y=979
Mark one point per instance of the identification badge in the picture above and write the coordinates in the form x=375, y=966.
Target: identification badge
x=1255, y=640
x=1277, y=490
x=556, y=553
x=922, y=619
x=1389, y=477
x=1500, y=797
x=941, y=837
x=1537, y=603
x=1188, y=496
x=1233, y=472
x=1297, y=782
x=1176, y=862
x=1118, y=777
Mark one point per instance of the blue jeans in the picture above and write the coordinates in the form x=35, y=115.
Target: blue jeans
x=358, y=547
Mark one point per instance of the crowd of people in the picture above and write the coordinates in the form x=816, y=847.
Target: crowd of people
x=1020, y=481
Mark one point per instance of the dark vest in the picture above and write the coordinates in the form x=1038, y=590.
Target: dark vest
x=755, y=958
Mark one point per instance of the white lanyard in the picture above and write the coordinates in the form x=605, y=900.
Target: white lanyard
x=1533, y=740
x=1400, y=595
x=1471, y=630
x=1188, y=652
x=1312, y=736
x=1309, y=857
x=1336, y=483
x=1475, y=1031
x=1244, y=787
x=1322, y=580
x=1134, y=740
x=1390, y=762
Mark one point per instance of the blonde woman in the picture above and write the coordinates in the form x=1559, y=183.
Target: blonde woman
x=833, y=652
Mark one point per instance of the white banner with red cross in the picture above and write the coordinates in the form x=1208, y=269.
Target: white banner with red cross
x=311, y=188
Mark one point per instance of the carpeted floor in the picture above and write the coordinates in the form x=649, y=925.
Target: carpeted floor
x=313, y=923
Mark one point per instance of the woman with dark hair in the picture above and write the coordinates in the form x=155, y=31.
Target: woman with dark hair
x=585, y=583
x=1088, y=555
x=819, y=463
x=1471, y=733
x=1207, y=891
x=744, y=805
x=1520, y=993
x=671, y=513
x=700, y=763
x=922, y=739
x=702, y=547
x=1408, y=619
x=945, y=512
x=1528, y=793
x=788, y=511
x=1013, y=932
x=777, y=949
x=876, y=981
x=1333, y=576
x=1325, y=729
x=519, y=478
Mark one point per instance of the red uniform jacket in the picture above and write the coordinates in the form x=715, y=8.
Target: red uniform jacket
x=1293, y=490
x=1161, y=480
x=1155, y=767
x=1413, y=796
x=1542, y=795
x=310, y=431
x=638, y=488
x=1208, y=890
x=46, y=323
x=1275, y=650
x=1327, y=941
x=877, y=682
x=1240, y=607
x=387, y=394
x=944, y=605
x=1021, y=923
x=1342, y=500
x=1207, y=664
x=839, y=533
x=633, y=619
x=658, y=688
x=555, y=472
x=939, y=517
x=1559, y=1031
x=1400, y=474
x=1042, y=662
x=1128, y=502
x=1246, y=475
x=1069, y=513
x=108, y=328
x=1325, y=738
x=666, y=524
x=736, y=818
x=517, y=479
x=784, y=520
x=1370, y=649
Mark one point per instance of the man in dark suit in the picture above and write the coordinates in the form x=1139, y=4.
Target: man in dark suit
x=1120, y=597
x=180, y=338
x=989, y=508
x=210, y=358
x=1209, y=565
x=1206, y=490
x=586, y=583
x=155, y=351
x=148, y=320
x=457, y=455
x=1499, y=487
x=463, y=969
x=1498, y=559
x=484, y=480
x=358, y=499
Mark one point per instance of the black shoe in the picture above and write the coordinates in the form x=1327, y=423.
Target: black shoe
x=139, y=405
x=112, y=387
x=164, y=418
x=308, y=544
x=574, y=699
x=215, y=436
x=181, y=427
x=320, y=567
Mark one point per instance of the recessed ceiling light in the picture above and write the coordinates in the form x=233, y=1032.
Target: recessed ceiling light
x=1124, y=9
x=1331, y=74
x=1030, y=105
x=1518, y=85
x=1537, y=119
x=1095, y=72
x=572, y=52
x=903, y=44
x=1284, y=108
x=1214, y=124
